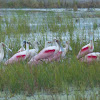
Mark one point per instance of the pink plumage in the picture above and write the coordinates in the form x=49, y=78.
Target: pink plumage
x=19, y=56
x=86, y=49
x=44, y=54
x=91, y=57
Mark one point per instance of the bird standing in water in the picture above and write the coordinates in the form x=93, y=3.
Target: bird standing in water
x=19, y=56
x=91, y=57
x=86, y=49
x=45, y=53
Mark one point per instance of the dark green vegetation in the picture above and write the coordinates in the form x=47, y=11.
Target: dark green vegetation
x=52, y=77
x=49, y=4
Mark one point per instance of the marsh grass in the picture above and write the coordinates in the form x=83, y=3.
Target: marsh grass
x=53, y=77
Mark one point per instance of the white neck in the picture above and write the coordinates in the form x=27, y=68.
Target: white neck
x=58, y=46
x=91, y=40
x=27, y=47
x=91, y=43
x=1, y=52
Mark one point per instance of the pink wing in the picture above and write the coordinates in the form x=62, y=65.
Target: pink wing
x=55, y=57
x=92, y=57
x=44, y=54
x=83, y=52
x=89, y=58
x=15, y=58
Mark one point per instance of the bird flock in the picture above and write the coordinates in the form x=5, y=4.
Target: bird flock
x=52, y=51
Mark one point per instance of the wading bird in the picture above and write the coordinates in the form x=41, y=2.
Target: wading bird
x=56, y=56
x=91, y=57
x=61, y=53
x=45, y=53
x=86, y=49
x=19, y=56
x=2, y=50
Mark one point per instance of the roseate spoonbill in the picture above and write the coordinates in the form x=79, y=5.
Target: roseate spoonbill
x=19, y=56
x=86, y=49
x=2, y=50
x=32, y=52
x=94, y=56
x=56, y=56
x=61, y=53
x=22, y=48
x=45, y=53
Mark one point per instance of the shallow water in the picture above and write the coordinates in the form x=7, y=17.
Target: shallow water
x=36, y=18
x=89, y=94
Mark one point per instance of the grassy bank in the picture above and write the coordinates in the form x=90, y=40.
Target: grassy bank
x=48, y=4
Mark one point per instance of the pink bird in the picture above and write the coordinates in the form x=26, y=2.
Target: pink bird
x=86, y=49
x=91, y=57
x=45, y=53
x=19, y=56
x=56, y=56
x=61, y=53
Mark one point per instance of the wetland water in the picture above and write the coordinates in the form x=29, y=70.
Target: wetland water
x=46, y=24
x=38, y=20
x=72, y=94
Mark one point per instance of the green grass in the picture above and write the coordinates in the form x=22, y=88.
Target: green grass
x=48, y=4
x=53, y=77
